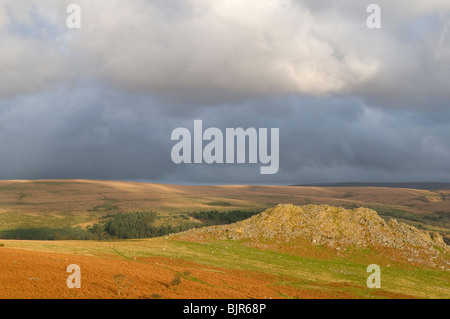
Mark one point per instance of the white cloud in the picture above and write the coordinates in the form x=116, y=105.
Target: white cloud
x=30, y=56
x=236, y=47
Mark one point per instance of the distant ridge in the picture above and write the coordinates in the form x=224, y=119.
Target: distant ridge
x=412, y=185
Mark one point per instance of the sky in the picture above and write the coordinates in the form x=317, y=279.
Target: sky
x=352, y=103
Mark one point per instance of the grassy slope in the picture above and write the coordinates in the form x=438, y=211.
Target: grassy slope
x=320, y=270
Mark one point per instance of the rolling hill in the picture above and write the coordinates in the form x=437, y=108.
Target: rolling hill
x=317, y=246
x=62, y=203
x=334, y=227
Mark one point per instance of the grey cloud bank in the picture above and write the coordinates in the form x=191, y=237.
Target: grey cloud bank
x=352, y=103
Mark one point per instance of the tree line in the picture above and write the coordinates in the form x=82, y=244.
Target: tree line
x=214, y=217
x=126, y=226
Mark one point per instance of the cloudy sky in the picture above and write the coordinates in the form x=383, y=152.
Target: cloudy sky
x=352, y=103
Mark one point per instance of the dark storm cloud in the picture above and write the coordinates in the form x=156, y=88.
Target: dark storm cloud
x=80, y=134
x=72, y=136
x=344, y=139
x=352, y=104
